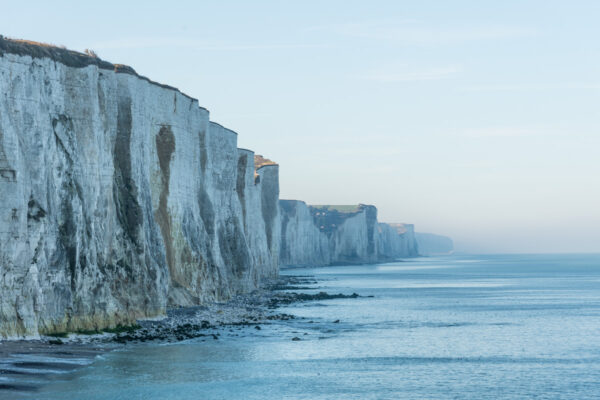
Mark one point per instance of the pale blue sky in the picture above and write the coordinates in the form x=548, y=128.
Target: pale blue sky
x=474, y=119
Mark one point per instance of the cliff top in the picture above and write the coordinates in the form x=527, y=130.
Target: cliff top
x=329, y=217
x=348, y=208
x=260, y=161
x=70, y=58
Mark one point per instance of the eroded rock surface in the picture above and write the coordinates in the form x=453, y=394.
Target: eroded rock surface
x=119, y=198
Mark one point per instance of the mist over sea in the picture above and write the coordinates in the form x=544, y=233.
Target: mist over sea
x=468, y=327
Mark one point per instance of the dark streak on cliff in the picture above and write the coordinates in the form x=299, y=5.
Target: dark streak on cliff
x=66, y=234
x=128, y=209
x=62, y=125
x=6, y=172
x=207, y=213
x=165, y=147
x=233, y=247
x=240, y=185
x=203, y=151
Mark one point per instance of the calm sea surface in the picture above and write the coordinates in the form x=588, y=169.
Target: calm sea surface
x=457, y=327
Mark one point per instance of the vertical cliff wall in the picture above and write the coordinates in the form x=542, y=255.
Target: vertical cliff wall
x=326, y=235
x=302, y=242
x=397, y=240
x=118, y=197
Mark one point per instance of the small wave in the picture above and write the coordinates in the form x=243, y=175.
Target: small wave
x=411, y=267
x=449, y=285
x=18, y=387
x=49, y=360
x=11, y=370
x=399, y=360
x=27, y=368
x=426, y=324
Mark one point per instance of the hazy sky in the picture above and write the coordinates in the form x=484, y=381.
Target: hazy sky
x=475, y=119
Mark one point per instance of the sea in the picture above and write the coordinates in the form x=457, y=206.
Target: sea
x=449, y=327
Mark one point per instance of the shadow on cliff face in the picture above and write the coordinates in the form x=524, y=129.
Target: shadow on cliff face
x=207, y=212
x=269, y=203
x=129, y=212
x=240, y=185
x=233, y=247
x=165, y=147
x=7, y=173
x=62, y=127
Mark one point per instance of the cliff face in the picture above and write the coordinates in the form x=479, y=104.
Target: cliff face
x=430, y=244
x=397, y=240
x=118, y=197
x=302, y=243
x=325, y=235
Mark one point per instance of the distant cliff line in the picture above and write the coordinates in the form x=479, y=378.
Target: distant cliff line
x=120, y=198
x=327, y=235
x=319, y=235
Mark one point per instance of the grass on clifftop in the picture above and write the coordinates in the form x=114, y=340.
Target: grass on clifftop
x=349, y=208
x=260, y=161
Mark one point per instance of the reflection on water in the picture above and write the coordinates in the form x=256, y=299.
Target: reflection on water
x=447, y=327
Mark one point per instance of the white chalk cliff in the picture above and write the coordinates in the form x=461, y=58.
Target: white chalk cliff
x=326, y=235
x=118, y=197
x=397, y=240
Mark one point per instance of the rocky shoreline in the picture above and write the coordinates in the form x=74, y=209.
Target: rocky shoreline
x=25, y=359
x=253, y=309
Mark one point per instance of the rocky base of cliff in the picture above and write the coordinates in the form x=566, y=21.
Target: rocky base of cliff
x=209, y=321
x=26, y=365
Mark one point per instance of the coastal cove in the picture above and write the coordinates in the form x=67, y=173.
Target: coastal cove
x=481, y=326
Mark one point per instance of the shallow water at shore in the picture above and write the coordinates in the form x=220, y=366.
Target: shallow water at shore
x=495, y=327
